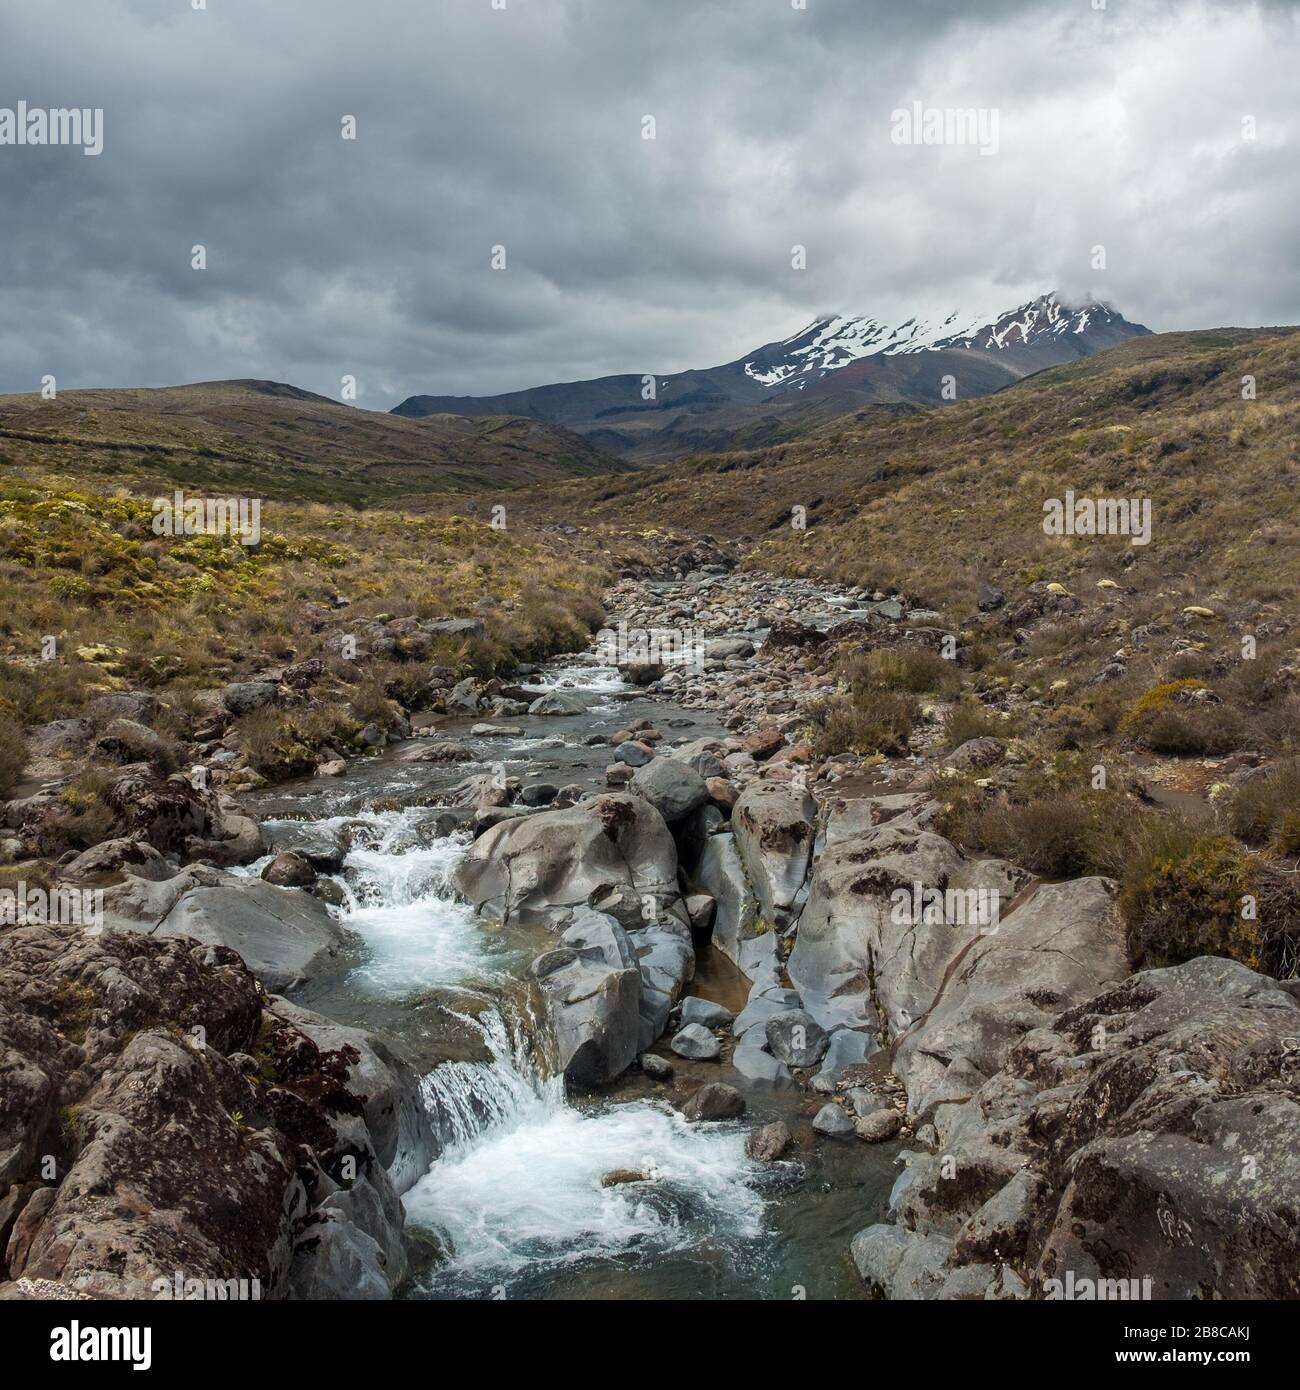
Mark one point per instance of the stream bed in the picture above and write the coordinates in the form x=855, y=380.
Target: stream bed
x=515, y=1206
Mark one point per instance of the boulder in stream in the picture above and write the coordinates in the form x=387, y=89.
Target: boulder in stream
x=136, y=1063
x=774, y=828
x=673, y=788
x=540, y=869
x=591, y=992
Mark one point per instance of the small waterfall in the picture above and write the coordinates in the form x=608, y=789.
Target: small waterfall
x=469, y=1098
x=520, y=1192
x=529, y=1191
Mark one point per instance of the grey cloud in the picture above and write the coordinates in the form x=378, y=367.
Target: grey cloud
x=522, y=127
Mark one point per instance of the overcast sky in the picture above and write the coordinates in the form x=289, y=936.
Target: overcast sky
x=523, y=127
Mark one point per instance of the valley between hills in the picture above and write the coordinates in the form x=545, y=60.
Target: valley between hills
x=448, y=885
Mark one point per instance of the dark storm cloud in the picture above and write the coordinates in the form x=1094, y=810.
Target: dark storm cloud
x=522, y=127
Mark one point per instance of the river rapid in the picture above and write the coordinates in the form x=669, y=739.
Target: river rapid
x=515, y=1206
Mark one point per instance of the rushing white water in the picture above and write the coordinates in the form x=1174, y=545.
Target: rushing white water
x=398, y=898
x=400, y=901
x=588, y=676
x=519, y=1188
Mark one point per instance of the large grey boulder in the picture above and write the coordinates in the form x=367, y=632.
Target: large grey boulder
x=590, y=988
x=858, y=929
x=285, y=936
x=599, y=935
x=195, y=1129
x=760, y=1069
x=721, y=874
x=538, y=870
x=456, y=627
x=762, y=1005
x=896, y=1265
x=796, y=1038
x=60, y=736
x=116, y=858
x=704, y=755
x=234, y=838
x=243, y=696
x=465, y=697
x=723, y=648
x=847, y=1047
x=1053, y=951
x=697, y=1043
x=141, y=705
x=774, y=827
x=1177, y=1158
x=388, y=1089
x=673, y=788
x=557, y=702
x=335, y=1259
x=168, y=812
x=714, y=1101
x=705, y=1011
x=852, y=819
x=1144, y=1136
x=666, y=961
x=833, y=1120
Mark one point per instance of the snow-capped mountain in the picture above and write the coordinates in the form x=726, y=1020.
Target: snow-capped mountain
x=835, y=364
x=833, y=341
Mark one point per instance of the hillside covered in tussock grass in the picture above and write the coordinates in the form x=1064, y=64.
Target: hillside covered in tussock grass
x=286, y=443
x=179, y=615
x=933, y=501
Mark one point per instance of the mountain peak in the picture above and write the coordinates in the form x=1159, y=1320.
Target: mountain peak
x=832, y=341
x=834, y=364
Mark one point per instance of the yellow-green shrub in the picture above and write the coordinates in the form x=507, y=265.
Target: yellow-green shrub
x=1183, y=896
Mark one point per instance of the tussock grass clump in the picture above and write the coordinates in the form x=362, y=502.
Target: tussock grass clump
x=1052, y=821
x=914, y=670
x=1158, y=699
x=280, y=743
x=1165, y=720
x=969, y=719
x=876, y=708
x=1195, y=731
x=13, y=752
x=866, y=723
x=1185, y=893
x=1054, y=835
x=82, y=817
x=1265, y=811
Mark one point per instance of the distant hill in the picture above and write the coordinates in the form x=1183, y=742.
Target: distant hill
x=288, y=442
x=833, y=366
x=929, y=500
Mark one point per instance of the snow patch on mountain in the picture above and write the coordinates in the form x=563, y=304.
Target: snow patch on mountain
x=834, y=341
